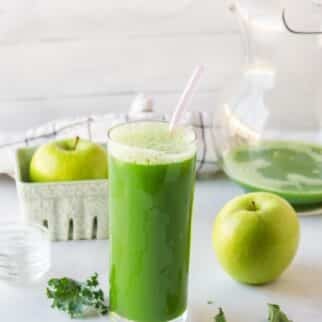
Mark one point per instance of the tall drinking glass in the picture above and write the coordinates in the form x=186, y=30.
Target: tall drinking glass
x=151, y=187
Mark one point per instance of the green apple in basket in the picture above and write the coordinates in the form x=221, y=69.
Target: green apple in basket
x=68, y=160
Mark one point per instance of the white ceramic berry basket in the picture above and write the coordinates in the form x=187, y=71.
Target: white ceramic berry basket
x=71, y=210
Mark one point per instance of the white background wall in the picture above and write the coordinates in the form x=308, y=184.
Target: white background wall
x=67, y=58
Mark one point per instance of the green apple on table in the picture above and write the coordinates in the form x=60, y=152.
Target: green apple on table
x=256, y=237
x=68, y=160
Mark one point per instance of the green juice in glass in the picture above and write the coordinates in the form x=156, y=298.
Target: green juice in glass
x=291, y=169
x=151, y=185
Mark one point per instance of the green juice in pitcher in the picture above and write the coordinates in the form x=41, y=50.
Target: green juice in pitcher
x=291, y=169
x=151, y=185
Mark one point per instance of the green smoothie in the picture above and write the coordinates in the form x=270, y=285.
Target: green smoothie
x=291, y=169
x=151, y=183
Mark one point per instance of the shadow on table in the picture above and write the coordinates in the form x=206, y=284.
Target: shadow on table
x=302, y=283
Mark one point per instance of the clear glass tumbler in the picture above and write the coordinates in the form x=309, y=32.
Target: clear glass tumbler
x=24, y=253
x=151, y=188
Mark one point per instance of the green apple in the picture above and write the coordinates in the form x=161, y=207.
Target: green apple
x=69, y=159
x=256, y=237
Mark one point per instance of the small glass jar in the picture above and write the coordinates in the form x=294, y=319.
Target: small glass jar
x=24, y=253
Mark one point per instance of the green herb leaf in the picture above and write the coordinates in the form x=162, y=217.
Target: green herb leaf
x=220, y=317
x=77, y=298
x=276, y=315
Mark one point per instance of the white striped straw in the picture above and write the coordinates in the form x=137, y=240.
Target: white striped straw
x=186, y=96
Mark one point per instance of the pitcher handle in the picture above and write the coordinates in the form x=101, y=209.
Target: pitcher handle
x=296, y=32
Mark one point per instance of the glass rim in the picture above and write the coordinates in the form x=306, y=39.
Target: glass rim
x=111, y=129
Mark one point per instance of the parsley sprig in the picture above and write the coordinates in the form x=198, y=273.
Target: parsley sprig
x=274, y=315
x=220, y=317
x=76, y=298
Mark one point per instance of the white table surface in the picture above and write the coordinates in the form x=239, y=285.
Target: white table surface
x=298, y=291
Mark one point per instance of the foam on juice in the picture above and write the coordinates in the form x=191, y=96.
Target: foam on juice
x=292, y=169
x=150, y=142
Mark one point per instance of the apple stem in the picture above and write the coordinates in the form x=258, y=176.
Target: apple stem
x=254, y=205
x=75, y=143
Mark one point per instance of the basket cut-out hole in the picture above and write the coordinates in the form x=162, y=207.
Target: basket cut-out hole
x=71, y=229
x=94, y=228
x=45, y=223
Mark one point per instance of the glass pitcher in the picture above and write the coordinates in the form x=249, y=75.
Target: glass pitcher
x=272, y=126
